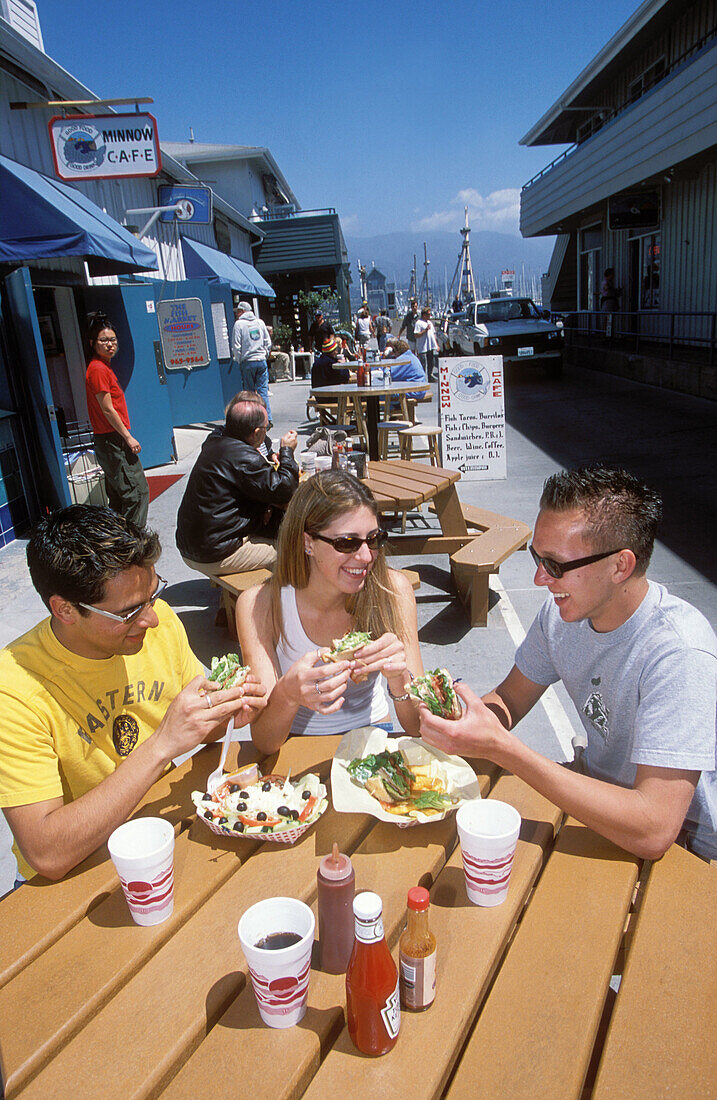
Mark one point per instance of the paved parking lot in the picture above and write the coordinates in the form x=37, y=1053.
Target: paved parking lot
x=669, y=439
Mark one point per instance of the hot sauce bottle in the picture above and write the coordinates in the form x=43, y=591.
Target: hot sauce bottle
x=373, y=1005
x=417, y=954
x=335, y=882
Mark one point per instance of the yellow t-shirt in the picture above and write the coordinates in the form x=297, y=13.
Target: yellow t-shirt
x=67, y=722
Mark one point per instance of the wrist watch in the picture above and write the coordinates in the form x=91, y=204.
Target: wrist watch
x=399, y=698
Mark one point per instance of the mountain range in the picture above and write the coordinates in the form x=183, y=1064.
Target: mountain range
x=491, y=253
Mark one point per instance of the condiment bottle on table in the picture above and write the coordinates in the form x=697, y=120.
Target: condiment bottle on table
x=417, y=954
x=335, y=880
x=373, y=1007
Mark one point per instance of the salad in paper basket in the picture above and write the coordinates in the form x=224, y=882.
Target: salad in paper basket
x=398, y=779
x=263, y=807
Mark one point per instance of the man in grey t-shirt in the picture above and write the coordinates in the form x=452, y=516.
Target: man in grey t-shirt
x=639, y=665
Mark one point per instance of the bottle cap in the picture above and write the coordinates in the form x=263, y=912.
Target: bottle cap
x=418, y=899
x=367, y=906
x=335, y=866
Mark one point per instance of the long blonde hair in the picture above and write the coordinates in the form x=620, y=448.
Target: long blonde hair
x=315, y=504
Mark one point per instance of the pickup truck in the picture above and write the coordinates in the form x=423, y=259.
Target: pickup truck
x=512, y=327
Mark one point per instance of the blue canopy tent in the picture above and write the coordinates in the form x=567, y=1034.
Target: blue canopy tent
x=210, y=263
x=42, y=218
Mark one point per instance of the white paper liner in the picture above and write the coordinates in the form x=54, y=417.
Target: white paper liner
x=349, y=798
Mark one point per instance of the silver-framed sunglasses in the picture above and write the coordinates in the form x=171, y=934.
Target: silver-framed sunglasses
x=127, y=616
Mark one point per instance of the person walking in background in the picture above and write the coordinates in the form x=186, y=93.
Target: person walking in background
x=251, y=344
x=408, y=325
x=383, y=329
x=609, y=298
x=116, y=449
x=426, y=342
x=364, y=327
x=320, y=330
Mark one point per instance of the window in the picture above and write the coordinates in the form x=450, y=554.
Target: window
x=590, y=260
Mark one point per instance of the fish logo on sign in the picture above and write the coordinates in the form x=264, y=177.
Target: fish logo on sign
x=470, y=381
x=79, y=147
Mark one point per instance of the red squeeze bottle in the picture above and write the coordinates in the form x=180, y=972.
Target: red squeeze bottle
x=373, y=1006
x=335, y=879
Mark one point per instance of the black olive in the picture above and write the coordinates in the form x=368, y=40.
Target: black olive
x=306, y=794
x=241, y=806
x=243, y=794
x=208, y=814
x=284, y=811
x=233, y=788
x=261, y=816
x=206, y=797
x=266, y=786
x=239, y=827
x=222, y=821
x=294, y=815
x=266, y=829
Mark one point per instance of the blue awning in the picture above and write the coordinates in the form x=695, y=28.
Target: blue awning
x=210, y=263
x=43, y=219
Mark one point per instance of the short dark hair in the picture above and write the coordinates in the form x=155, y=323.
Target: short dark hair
x=245, y=413
x=620, y=511
x=75, y=551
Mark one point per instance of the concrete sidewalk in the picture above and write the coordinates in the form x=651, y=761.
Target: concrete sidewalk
x=669, y=439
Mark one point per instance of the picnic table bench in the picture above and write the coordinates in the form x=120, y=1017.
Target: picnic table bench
x=92, y=1005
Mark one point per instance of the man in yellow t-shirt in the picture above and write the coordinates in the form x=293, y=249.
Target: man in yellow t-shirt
x=97, y=700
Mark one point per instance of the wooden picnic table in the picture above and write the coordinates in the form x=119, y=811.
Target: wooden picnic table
x=372, y=395
x=92, y=1005
x=476, y=541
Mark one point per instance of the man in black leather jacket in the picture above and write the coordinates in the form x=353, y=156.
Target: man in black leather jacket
x=233, y=504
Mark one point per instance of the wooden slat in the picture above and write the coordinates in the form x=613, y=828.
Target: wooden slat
x=187, y=985
x=661, y=1039
x=41, y=912
x=438, y=476
x=489, y=549
x=535, y=1034
x=470, y=941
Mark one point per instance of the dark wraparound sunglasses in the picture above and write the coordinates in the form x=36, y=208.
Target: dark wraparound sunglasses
x=349, y=544
x=555, y=569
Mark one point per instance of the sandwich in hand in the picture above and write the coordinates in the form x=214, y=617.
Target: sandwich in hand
x=436, y=690
x=345, y=649
x=228, y=671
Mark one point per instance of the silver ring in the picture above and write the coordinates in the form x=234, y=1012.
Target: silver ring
x=317, y=688
x=209, y=700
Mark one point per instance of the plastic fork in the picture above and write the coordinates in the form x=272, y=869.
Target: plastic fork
x=216, y=778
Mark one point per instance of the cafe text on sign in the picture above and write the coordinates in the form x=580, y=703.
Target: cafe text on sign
x=98, y=147
x=473, y=416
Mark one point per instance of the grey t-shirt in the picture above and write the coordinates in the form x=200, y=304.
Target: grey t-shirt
x=646, y=694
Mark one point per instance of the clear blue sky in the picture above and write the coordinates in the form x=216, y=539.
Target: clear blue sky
x=395, y=114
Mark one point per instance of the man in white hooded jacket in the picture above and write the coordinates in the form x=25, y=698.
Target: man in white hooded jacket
x=251, y=344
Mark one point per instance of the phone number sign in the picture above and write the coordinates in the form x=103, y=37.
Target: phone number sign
x=473, y=416
x=183, y=333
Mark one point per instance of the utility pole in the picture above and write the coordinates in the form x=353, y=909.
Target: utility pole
x=362, y=281
x=412, y=283
x=425, y=290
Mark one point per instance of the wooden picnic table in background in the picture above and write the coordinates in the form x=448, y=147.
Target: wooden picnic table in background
x=477, y=541
x=92, y=1005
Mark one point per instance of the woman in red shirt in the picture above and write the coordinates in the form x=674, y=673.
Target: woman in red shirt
x=116, y=449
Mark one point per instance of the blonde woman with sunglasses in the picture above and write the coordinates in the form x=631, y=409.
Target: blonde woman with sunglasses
x=330, y=577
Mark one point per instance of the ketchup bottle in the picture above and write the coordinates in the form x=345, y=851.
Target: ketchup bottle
x=361, y=373
x=373, y=1006
x=335, y=881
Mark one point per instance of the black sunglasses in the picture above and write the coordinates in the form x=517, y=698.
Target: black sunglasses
x=349, y=544
x=555, y=569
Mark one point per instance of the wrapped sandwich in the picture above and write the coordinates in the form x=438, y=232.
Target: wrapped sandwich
x=228, y=671
x=345, y=649
x=402, y=789
x=436, y=690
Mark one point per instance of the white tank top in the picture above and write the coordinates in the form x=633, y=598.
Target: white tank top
x=364, y=704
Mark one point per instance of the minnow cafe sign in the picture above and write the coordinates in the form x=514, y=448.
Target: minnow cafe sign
x=103, y=147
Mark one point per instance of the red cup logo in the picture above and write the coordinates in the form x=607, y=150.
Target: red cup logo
x=280, y=996
x=145, y=897
x=487, y=876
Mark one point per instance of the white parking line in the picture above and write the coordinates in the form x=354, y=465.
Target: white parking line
x=554, y=709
